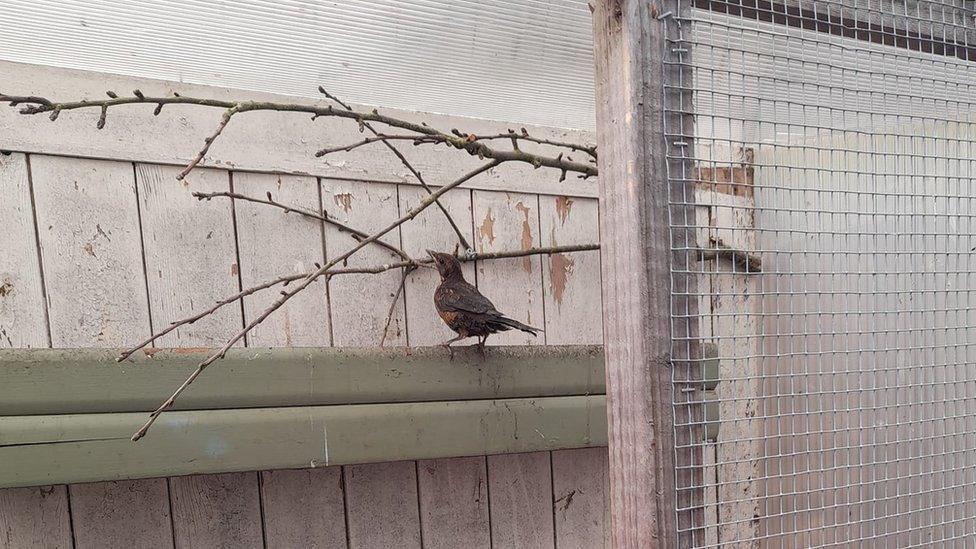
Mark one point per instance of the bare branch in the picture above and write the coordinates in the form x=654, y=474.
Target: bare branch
x=375, y=269
x=549, y=250
x=230, y=112
x=524, y=136
x=414, y=171
x=190, y=320
x=15, y=100
x=37, y=105
x=416, y=139
x=396, y=296
x=356, y=233
x=101, y=117
x=304, y=283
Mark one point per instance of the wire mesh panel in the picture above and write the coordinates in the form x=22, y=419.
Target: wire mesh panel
x=822, y=154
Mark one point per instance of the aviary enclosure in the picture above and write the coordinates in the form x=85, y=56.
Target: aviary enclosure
x=832, y=143
x=786, y=261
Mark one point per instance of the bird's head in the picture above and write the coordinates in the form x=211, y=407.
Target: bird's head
x=447, y=265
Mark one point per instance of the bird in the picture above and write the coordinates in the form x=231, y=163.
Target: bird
x=464, y=309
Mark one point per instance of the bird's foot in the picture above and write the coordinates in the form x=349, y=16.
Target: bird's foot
x=450, y=350
x=480, y=346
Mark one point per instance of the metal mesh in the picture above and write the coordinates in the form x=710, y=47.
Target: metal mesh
x=829, y=184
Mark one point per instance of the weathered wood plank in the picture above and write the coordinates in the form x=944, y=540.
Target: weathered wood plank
x=710, y=495
x=581, y=489
x=520, y=492
x=301, y=508
x=89, y=232
x=35, y=517
x=216, y=511
x=739, y=452
x=268, y=142
x=90, y=381
x=629, y=53
x=430, y=230
x=272, y=244
x=89, y=237
x=191, y=261
x=22, y=319
x=360, y=303
x=37, y=450
x=304, y=508
x=382, y=505
x=570, y=280
x=510, y=221
x=103, y=513
x=454, y=503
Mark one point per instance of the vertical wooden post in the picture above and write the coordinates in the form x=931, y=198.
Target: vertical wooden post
x=630, y=48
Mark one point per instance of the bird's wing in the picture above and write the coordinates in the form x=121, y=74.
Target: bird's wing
x=463, y=297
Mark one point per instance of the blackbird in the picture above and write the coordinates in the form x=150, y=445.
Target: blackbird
x=464, y=309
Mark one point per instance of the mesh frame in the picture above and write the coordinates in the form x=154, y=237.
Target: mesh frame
x=820, y=189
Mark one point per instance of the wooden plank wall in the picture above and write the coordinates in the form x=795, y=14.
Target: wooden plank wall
x=98, y=253
x=731, y=320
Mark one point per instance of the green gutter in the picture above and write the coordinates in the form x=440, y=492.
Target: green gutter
x=66, y=415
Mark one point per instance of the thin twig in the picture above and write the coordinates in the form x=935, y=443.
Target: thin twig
x=510, y=135
x=548, y=250
x=304, y=283
x=190, y=320
x=37, y=105
x=25, y=99
x=484, y=256
x=396, y=296
x=228, y=114
x=375, y=269
x=416, y=173
x=380, y=138
x=524, y=136
x=356, y=233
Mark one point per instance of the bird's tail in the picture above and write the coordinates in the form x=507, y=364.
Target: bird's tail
x=505, y=323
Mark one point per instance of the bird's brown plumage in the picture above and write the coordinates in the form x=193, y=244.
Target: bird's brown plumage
x=464, y=309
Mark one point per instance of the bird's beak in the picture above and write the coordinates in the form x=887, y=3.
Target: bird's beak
x=432, y=254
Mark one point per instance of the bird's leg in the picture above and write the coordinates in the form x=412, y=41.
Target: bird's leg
x=447, y=344
x=481, y=345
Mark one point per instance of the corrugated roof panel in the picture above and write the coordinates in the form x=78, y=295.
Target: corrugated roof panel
x=519, y=60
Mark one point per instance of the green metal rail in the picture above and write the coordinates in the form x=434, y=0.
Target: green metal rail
x=66, y=415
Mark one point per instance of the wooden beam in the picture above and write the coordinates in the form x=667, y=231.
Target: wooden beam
x=63, y=449
x=84, y=381
x=630, y=48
